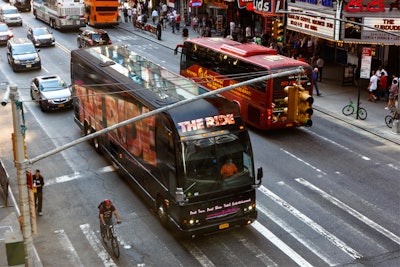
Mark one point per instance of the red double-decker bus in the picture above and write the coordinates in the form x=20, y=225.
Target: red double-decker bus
x=219, y=62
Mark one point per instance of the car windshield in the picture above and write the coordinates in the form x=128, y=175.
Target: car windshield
x=23, y=49
x=10, y=11
x=40, y=31
x=52, y=85
x=3, y=28
x=203, y=159
x=99, y=37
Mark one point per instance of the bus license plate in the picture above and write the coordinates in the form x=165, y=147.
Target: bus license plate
x=223, y=226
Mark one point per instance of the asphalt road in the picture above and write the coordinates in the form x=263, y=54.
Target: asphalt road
x=330, y=194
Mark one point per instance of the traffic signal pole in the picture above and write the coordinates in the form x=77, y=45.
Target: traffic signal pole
x=21, y=164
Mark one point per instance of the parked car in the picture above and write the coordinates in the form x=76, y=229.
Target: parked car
x=93, y=38
x=52, y=92
x=6, y=33
x=10, y=15
x=22, y=5
x=22, y=55
x=41, y=36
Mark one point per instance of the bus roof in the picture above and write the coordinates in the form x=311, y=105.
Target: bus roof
x=254, y=53
x=156, y=86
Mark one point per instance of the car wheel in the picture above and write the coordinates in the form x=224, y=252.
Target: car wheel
x=42, y=106
x=32, y=96
x=79, y=44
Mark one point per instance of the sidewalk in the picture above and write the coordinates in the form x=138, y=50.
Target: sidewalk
x=334, y=95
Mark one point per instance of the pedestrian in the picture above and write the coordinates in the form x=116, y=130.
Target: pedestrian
x=232, y=26
x=320, y=65
x=393, y=95
x=382, y=86
x=185, y=34
x=248, y=33
x=172, y=22
x=372, y=86
x=159, y=29
x=315, y=79
x=38, y=183
x=129, y=14
x=125, y=12
x=154, y=16
x=178, y=21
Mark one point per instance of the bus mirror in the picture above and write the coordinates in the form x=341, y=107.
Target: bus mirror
x=260, y=175
x=179, y=195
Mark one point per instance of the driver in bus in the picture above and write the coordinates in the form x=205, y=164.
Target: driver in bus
x=228, y=169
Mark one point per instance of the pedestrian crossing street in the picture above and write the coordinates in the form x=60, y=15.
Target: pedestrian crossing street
x=341, y=240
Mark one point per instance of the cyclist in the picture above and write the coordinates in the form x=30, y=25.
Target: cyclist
x=106, y=210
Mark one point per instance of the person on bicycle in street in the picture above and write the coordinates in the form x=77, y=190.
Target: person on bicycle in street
x=106, y=210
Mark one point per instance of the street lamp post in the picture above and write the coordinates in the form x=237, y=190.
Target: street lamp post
x=21, y=164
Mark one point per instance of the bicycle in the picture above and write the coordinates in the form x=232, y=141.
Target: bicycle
x=109, y=234
x=350, y=109
x=394, y=115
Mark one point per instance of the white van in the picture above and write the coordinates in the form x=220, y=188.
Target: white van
x=10, y=15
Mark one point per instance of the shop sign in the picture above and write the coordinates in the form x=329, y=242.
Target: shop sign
x=358, y=6
x=369, y=35
x=319, y=24
x=244, y=3
x=262, y=6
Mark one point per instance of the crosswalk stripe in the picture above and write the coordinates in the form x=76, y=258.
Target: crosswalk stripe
x=313, y=225
x=97, y=246
x=198, y=254
x=280, y=244
x=67, y=245
x=350, y=210
x=256, y=251
x=301, y=239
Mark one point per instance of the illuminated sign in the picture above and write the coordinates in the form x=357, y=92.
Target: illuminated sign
x=368, y=34
x=207, y=122
x=372, y=6
x=264, y=6
x=244, y=3
x=319, y=24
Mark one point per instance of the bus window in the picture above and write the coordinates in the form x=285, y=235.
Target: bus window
x=203, y=159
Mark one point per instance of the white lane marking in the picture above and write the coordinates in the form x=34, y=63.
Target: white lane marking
x=198, y=254
x=392, y=165
x=313, y=225
x=299, y=237
x=280, y=244
x=337, y=144
x=97, y=246
x=350, y=210
x=306, y=163
x=67, y=245
x=77, y=175
x=256, y=251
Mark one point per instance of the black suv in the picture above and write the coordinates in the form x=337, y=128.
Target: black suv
x=22, y=55
x=93, y=38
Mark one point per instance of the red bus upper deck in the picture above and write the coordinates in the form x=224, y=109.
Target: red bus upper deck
x=217, y=62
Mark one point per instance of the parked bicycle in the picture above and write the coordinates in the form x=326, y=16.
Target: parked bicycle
x=351, y=108
x=109, y=234
x=393, y=115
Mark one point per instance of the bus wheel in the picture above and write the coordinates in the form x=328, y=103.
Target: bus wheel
x=162, y=213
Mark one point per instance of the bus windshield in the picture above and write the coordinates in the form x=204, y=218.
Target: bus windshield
x=202, y=160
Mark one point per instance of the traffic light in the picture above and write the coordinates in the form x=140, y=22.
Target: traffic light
x=291, y=101
x=277, y=30
x=305, y=110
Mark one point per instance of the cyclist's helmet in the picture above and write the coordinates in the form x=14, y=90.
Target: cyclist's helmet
x=107, y=202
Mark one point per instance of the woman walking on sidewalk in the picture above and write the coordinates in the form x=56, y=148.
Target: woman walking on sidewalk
x=373, y=86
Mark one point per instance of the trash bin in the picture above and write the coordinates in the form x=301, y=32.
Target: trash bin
x=14, y=248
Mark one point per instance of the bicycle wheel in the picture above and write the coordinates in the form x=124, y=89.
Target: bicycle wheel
x=362, y=113
x=389, y=121
x=348, y=110
x=115, y=246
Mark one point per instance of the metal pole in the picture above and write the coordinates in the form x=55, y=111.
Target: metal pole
x=21, y=166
